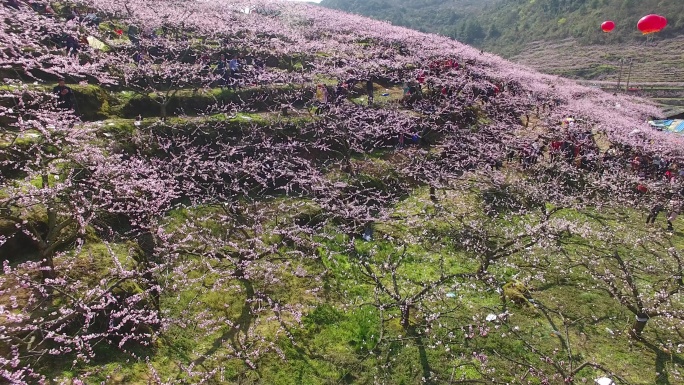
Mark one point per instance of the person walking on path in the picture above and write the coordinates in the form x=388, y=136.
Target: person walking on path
x=72, y=45
x=369, y=91
x=673, y=212
x=653, y=214
x=234, y=66
x=222, y=70
x=321, y=100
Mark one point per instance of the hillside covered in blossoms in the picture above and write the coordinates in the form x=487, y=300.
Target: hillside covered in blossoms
x=263, y=192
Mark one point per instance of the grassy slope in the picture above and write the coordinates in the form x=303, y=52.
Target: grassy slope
x=345, y=335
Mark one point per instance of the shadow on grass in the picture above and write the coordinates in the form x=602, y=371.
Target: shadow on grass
x=663, y=357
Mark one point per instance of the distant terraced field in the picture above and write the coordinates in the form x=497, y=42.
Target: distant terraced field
x=657, y=66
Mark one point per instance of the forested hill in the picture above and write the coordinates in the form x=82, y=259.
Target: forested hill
x=504, y=26
x=437, y=16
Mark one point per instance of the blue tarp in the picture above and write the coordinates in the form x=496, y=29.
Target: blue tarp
x=680, y=127
x=676, y=126
x=661, y=123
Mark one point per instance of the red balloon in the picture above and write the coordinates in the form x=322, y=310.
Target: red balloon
x=608, y=26
x=663, y=21
x=651, y=24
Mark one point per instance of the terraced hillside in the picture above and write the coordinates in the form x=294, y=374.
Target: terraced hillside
x=258, y=192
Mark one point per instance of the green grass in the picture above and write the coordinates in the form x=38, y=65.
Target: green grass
x=24, y=138
x=346, y=336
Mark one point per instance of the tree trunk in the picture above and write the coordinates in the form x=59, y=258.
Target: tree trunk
x=47, y=270
x=639, y=325
x=152, y=282
x=146, y=243
x=349, y=167
x=405, y=316
x=433, y=194
x=47, y=265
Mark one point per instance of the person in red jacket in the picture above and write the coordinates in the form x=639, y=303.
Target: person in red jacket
x=642, y=188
